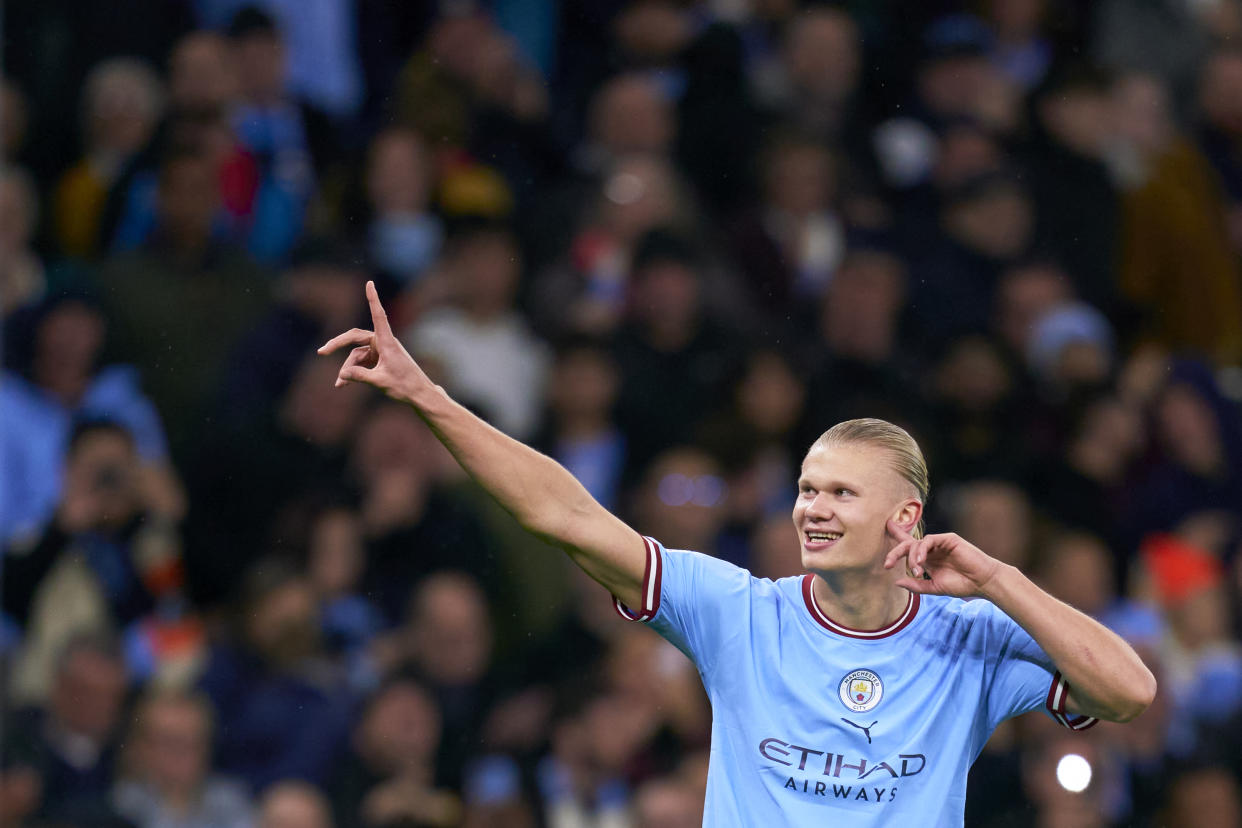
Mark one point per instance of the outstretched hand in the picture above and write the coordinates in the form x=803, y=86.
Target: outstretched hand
x=378, y=358
x=941, y=564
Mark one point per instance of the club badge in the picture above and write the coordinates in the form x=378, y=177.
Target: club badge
x=861, y=691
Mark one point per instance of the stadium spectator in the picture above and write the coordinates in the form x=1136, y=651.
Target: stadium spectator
x=59, y=377
x=792, y=242
x=123, y=103
x=167, y=777
x=408, y=502
x=670, y=324
x=1172, y=233
x=485, y=350
x=217, y=292
x=1078, y=208
x=403, y=235
x=294, y=804
x=284, y=710
x=391, y=774
x=579, y=428
x=315, y=293
x=447, y=640
x=22, y=274
x=1220, y=129
x=72, y=739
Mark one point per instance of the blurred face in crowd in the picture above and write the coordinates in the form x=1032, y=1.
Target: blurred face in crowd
x=770, y=397
x=88, y=692
x=1188, y=430
x=1025, y=294
x=823, y=55
x=1077, y=568
x=1142, y=113
x=996, y=517
x=1078, y=118
x=1111, y=434
x=17, y=213
x=201, y=73
x=337, y=556
x=399, y=172
x=393, y=438
x=956, y=85
x=450, y=630
x=103, y=466
x=774, y=549
x=972, y=377
x=629, y=115
x=996, y=222
x=327, y=292
x=283, y=624
x=666, y=297
x=1202, y=618
x=67, y=345
x=1207, y=798
x=652, y=31
x=799, y=179
x=684, y=496
x=317, y=411
x=583, y=385
x=260, y=61
x=965, y=151
x=861, y=306
x=188, y=196
x=487, y=269
x=122, y=106
x=1016, y=20
x=12, y=119
x=294, y=805
x=400, y=730
x=666, y=803
x=847, y=493
x=173, y=744
x=1220, y=92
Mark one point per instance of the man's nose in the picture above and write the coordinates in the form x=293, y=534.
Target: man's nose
x=821, y=506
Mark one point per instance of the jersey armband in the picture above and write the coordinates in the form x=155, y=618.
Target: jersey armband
x=1058, y=697
x=651, y=587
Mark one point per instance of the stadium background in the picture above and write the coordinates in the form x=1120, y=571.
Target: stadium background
x=665, y=241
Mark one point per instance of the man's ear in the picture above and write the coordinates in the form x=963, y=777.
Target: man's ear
x=908, y=514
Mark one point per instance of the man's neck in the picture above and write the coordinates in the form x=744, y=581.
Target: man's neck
x=859, y=600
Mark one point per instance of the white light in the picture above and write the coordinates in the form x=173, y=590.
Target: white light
x=1074, y=773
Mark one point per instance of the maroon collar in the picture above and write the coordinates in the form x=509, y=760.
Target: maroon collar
x=903, y=621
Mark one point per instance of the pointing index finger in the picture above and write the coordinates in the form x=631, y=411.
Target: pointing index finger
x=378, y=317
x=897, y=531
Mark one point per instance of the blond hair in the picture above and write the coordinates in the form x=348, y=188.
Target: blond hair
x=907, y=457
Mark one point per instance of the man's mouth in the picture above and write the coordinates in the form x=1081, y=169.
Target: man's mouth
x=822, y=537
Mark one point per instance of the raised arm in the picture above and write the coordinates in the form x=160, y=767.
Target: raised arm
x=1108, y=680
x=544, y=498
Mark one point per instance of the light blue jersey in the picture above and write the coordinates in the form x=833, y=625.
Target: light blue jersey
x=817, y=724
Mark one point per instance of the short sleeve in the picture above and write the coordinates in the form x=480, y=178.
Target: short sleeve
x=697, y=602
x=1025, y=678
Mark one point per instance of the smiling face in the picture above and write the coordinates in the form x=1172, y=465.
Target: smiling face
x=846, y=494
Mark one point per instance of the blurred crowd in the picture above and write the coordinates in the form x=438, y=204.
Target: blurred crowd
x=668, y=242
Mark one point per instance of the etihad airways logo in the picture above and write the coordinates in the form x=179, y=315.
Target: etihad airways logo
x=839, y=766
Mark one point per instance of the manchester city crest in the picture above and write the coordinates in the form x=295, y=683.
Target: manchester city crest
x=861, y=690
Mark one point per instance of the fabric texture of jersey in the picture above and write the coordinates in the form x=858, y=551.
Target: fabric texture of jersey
x=813, y=721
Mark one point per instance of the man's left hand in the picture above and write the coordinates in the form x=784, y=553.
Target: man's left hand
x=941, y=564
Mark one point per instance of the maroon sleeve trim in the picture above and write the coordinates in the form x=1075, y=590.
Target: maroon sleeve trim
x=1058, y=698
x=652, y=572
